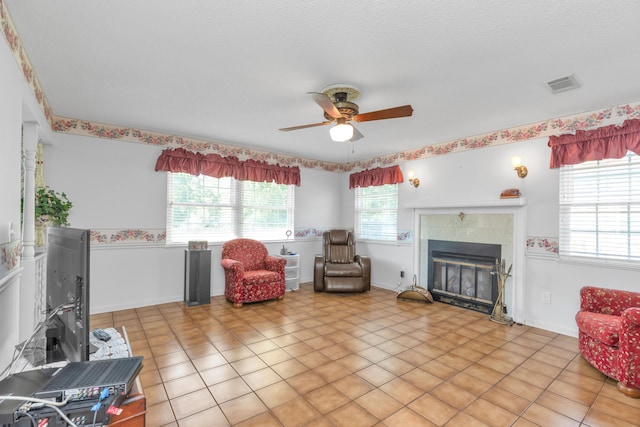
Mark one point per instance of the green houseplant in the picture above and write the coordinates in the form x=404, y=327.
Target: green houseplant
x=52, y=207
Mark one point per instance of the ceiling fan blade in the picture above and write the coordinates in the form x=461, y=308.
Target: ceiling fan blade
x=304, y=126
x=356, y=134
x=325, y=102
x=389, y=113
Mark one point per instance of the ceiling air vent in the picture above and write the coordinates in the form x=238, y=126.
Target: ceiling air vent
x=563, y=84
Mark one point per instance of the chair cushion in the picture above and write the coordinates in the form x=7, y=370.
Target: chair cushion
x=339, y=237
x=343, y=284
x=608, y=301
x=251, y=253
x=339, y=246
x=341, y=254
x=602, y=327
x=258, y=277
x=343, y=270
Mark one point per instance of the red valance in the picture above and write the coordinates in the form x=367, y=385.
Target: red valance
x=253, y=170
x=376, y=177
x=179, y=160
x=214, y=165
x=217, y=166
x=609, y=142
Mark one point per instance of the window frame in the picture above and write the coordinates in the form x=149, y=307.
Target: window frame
x=236, y=206
x=360, y=200
x=607, y=194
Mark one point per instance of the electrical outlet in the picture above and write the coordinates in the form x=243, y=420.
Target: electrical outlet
x=546, y=298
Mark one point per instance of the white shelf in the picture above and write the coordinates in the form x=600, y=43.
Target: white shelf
x=292, y=271
x=497, y=203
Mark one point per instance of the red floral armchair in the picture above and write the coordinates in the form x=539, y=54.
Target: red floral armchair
x=250, y=273
x=609, y=335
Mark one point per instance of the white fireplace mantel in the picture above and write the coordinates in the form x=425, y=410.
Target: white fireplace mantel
x=515, y=206
x=495, y=203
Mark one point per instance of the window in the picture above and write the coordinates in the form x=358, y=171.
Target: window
x=600, y=209
x=376, y=212
x=220, y=209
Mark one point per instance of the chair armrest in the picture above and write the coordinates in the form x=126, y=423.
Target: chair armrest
x=589, y=300
x=365, y=264
x=275, y=263
x=631, y=318
x=231, y=264
x=233, y=272
x=629, y=349
x=318, y=273
x=607, y=301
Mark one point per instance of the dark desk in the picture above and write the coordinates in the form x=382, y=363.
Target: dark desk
x=134, y=410
x=134, y=407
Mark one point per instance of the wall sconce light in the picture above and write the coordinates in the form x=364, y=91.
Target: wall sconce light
x=520, y=169
x=413, y=181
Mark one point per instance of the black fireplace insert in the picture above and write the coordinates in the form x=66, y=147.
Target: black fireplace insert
x=460, y=273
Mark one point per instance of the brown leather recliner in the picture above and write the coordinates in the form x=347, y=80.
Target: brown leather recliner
x=339, y=269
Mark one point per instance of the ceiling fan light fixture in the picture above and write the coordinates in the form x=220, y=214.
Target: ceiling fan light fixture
x=341, y=110
x=341, y=132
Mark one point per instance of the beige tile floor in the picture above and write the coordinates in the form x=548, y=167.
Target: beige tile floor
x=318, y=359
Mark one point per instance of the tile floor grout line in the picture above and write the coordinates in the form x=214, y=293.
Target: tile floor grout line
x=305, y=315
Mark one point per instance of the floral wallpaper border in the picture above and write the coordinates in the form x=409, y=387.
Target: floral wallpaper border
x=137, y=236
x=547, y=246
x=563, y=125
x=308, y=233
x=10, y=252
x=127, y=236
x=542, y=246
x=9, y=257
x=21, y=57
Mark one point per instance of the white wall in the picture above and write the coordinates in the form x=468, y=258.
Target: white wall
x=317, y=202
x=113, y=185
x=318, y=199
x=386, y=261
x=564, y=281
x=17, y=105
x=481, y=175
x=11, y=85
x=10, y=139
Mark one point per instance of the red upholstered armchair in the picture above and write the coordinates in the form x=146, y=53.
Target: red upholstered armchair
x=609, y=335
x=250, y=273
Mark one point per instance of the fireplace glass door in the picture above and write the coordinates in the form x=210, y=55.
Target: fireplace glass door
x=460, y=273
x=459, y=278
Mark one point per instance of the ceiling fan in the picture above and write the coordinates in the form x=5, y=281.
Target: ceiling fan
x=342, y=110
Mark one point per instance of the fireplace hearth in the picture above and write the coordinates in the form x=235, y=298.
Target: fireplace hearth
x=460, y=273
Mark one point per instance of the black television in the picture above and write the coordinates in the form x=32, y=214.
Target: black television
x=67, y=291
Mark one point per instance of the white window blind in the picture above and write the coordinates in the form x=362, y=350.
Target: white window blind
x=600, y=209
x=376, y=212
x=266, y=210
x=220, y=209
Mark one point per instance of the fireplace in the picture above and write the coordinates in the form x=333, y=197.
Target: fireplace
x=497, y=221
x=459, y=273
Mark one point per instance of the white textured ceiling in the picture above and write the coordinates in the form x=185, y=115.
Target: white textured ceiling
x=235, y=72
